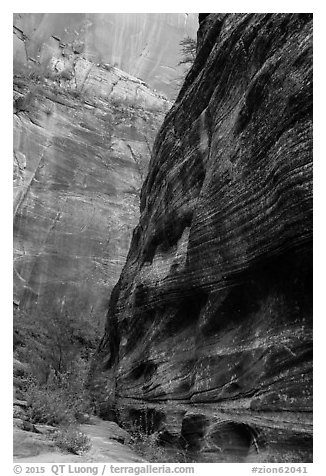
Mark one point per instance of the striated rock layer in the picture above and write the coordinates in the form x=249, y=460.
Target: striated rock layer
x=82, y=141
x=209, y=338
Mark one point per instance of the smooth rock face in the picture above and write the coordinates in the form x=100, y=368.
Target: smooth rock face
x=82, y=142
x=209, y=335
x=145, y=45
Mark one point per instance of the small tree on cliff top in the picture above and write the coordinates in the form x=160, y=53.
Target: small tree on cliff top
x=188, y=50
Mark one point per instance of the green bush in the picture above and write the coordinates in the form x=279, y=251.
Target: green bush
x=72, y=440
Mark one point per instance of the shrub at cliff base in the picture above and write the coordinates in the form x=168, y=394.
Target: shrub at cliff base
x=62, y=401
x=51, y=343
x=147, y=446
x=57, y=349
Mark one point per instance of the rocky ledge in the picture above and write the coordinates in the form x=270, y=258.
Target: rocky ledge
x=145, y=45
x=208, y=339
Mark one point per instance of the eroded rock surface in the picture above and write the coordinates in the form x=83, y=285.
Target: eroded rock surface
x=208, y=338
x=82, y=142
x=145, y=45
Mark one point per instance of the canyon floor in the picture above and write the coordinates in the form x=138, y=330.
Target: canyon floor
x=104, y=435
x=109, y=444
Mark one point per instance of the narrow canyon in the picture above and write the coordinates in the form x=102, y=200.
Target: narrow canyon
x=178, y=210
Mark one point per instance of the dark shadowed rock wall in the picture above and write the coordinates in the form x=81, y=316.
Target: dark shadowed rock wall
x=209, y=338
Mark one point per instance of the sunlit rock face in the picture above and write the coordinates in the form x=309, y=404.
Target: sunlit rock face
x=208, y=338
x=145, y=45
x=82, y=142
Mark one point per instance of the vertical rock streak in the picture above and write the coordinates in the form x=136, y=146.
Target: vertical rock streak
x=81, y=149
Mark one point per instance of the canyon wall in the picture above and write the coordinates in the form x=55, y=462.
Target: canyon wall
x=82, y=143
x=208, y=341
x=145, y=45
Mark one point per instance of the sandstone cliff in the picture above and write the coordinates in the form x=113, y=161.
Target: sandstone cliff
x=145, y=45
x=82, y=142
x=208, y=339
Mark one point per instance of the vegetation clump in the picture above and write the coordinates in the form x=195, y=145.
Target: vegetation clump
x=188, y=50
x=146, y=441
x=148, y=446
x=71, y=440
x=56, y=351
x=63, y=401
